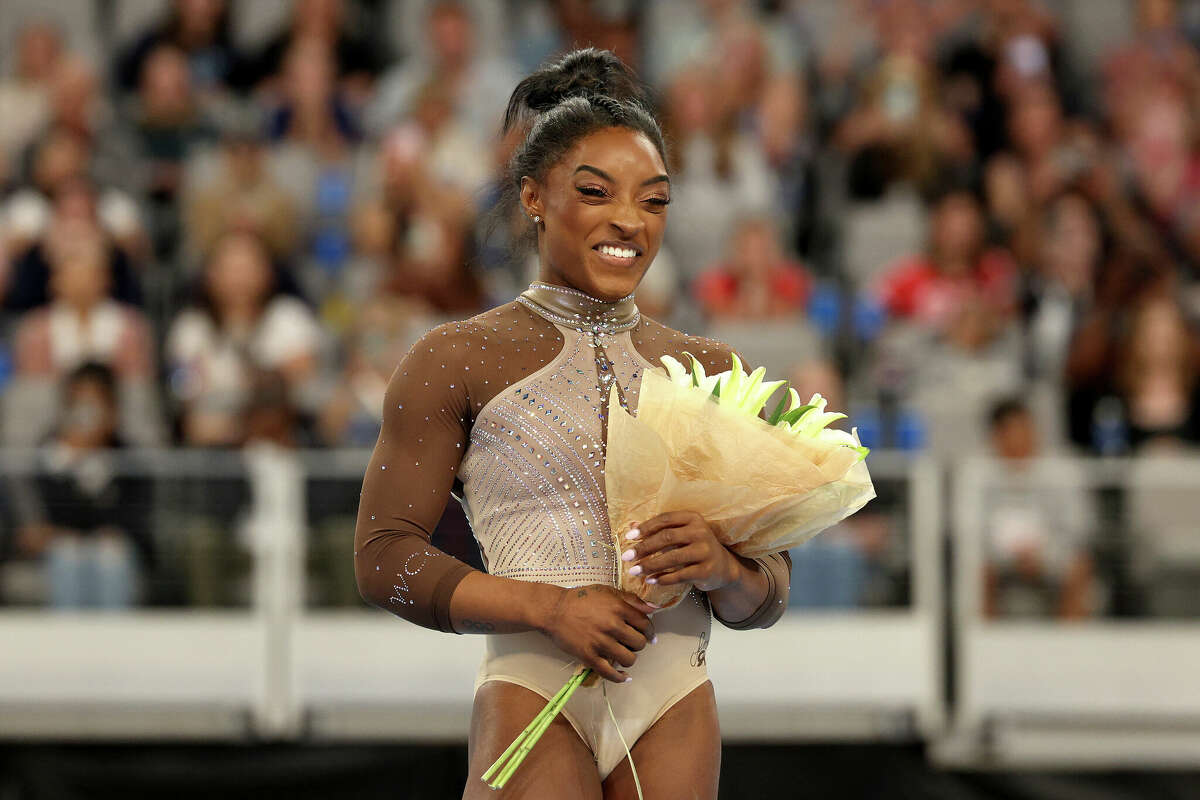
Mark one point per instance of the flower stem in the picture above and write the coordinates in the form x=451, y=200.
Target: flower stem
x=530, y=736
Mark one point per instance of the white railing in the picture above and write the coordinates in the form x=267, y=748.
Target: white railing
x=1030, y=692
x=1096, y=692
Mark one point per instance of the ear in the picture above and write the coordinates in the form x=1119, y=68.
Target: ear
x=531, y=197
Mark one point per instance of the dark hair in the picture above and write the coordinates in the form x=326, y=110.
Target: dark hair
x=1005, y=409
x=562, y=102
x=93, y=372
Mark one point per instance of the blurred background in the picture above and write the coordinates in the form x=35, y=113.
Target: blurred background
x=972, y=224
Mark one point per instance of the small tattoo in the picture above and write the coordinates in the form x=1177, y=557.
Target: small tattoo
x=478, y=627
x=582, y=593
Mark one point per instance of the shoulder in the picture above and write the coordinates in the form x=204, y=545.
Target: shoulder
x=654, y=340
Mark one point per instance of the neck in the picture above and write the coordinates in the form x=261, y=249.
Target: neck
x=575, y=309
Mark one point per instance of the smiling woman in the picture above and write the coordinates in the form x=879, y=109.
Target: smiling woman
x=508, y=410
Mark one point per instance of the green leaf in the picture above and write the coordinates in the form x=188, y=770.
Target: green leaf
x=777, y=414
x=716, y=392
x=795, y=414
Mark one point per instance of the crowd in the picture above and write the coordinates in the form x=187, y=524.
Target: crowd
x=949, y=216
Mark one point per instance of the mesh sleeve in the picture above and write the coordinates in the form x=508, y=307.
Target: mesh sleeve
x=778, y=569
x=426, y=425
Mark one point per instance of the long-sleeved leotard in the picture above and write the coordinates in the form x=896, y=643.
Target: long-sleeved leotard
x=510, y=407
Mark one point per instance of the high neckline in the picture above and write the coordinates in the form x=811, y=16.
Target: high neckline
x=575, y=309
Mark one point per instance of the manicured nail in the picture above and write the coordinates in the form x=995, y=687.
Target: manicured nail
x=650, y=580
x=633, y=534
x=628, y=679
x=629, y=555
x=652, y=605
x=636, y=569
x=655, y=639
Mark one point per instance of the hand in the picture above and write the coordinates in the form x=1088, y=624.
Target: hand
x=600, y=626
x=680, y=547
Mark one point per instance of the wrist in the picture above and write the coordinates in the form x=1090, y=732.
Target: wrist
x=539, y=609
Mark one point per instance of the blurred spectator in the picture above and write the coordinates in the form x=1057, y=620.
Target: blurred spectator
x=82, y=323
x=1038, y=527
x=1157, y=375
x=431, y=228
x=899, y=130
x=475, y=88
x=36, y=227
x=384, y=330
x=234, y=190
x=718, y=173
x=240, y=325
x=930, y=288
x=167, y=124
x=85, y=517
x=1011, y=216
x=356, y=59
x=757, y=281
x=25, y=94
x=790, y=148
x=202, y=31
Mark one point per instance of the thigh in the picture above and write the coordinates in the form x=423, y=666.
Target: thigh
x=679, y=756
x=560, y=766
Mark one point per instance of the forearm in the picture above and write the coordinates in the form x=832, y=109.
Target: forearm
x=736, y=601
x=485, y=603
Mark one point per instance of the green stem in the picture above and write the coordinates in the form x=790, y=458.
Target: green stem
x=540, y=728
x=525, y=733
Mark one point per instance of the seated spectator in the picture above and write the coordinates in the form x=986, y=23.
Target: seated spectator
x=476, y=87
x=1037, y=527
x=167, y=124
x=202, y=31
x=929, y=288
x=238, y=326
x=25, y=94
x=82, y=323
x=384, y=330
x=1158, y=376
x=757, y=281
x=718, y=173
x=357, y=61
x=86, y=520
x=236, y=191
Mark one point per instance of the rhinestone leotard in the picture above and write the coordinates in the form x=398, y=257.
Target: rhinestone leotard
x=509, y=407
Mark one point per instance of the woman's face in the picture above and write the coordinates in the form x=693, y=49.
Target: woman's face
x=239, y=272
x=603, y=208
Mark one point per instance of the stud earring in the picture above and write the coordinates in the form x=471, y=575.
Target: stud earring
x=537, y=220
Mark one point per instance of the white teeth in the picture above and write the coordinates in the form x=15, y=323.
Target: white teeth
x=619, y=252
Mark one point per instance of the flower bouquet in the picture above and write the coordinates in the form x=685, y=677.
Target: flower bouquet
x=698, y=444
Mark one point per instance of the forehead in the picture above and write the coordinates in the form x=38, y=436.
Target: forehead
x=625, y=154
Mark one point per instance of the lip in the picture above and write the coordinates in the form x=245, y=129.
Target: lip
x=617, y=261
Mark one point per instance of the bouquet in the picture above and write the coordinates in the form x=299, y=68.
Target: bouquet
x=698, y=444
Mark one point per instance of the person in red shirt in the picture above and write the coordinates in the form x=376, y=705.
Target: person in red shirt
x=928, y=288
x=757, y=280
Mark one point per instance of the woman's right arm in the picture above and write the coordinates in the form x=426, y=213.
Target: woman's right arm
x=425, y=430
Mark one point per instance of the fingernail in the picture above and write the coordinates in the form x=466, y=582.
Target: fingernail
x=633, y=534
x=628, y=679
x=629, y=555
x=655, y=639
x=650, y=580
x=636, y=569
x=652, y=605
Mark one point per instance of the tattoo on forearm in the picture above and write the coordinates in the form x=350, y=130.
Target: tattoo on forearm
x=478, y=627
x=582, y=593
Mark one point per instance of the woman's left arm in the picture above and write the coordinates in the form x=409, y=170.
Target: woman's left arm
x=680, y=547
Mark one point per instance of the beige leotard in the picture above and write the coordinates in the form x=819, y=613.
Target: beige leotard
x=509, y=408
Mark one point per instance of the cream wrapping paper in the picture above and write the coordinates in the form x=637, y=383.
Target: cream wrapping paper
x=761, y=488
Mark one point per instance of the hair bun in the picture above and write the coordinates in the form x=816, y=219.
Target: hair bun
x=583, y=73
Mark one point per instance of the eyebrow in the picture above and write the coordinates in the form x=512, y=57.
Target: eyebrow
x=597, y=171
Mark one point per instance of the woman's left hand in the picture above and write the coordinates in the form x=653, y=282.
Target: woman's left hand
x=680, y=547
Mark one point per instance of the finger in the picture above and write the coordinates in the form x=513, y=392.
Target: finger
x=642, y=606
x=642, y=623
x=689, y=574
x=675, y=558
x=604, y=669
x=669, y=519
x=670, y=537
x=621, y=654
x=631, y=637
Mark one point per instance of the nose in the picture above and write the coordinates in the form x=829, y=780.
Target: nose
x=627, y=220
